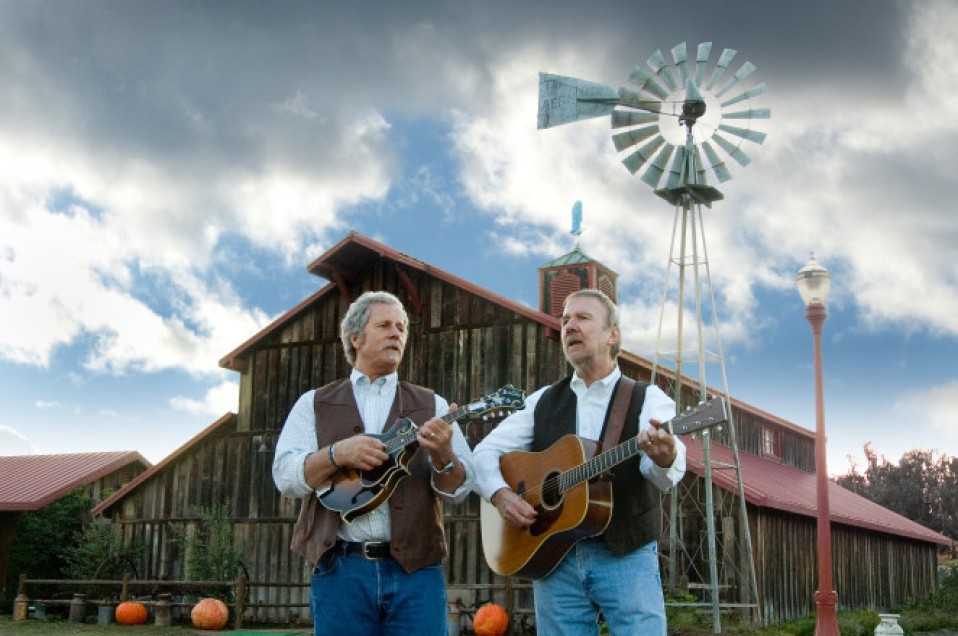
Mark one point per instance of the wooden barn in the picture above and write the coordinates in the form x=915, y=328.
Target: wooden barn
x=466, y=342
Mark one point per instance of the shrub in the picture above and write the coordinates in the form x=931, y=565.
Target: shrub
x=208, y=546
x=98, y=552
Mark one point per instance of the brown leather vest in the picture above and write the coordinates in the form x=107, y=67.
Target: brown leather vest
x=415, y=513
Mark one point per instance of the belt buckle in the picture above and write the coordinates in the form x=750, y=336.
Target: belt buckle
x=366, y=547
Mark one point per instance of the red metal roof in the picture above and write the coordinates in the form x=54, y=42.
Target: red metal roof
x=770, y=484
x=30, y=482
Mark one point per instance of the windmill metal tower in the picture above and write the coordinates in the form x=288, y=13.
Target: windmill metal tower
x=663, y=99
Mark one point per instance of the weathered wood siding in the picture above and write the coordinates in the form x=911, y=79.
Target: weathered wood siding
x=870, y=570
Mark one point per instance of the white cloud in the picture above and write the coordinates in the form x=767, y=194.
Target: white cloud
x=297, y=105
x=216, y=401
x=13, y=442
x=935, y=407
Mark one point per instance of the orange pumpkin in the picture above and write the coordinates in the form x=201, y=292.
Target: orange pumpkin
x=490, y=620
x=130, y=613
x=209, y=613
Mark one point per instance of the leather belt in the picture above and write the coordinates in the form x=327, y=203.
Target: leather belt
x=369, y=550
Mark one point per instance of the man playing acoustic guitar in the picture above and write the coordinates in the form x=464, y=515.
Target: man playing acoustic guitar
x=380, y=574
x=615, y=571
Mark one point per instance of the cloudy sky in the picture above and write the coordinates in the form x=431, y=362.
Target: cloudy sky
x=168, y=170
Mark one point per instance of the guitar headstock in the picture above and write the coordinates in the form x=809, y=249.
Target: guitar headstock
x=504, y=401
x=702, y=415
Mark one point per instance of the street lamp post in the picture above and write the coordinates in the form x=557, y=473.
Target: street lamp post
x=813, y=283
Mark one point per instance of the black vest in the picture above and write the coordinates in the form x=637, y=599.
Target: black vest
x=636, y=502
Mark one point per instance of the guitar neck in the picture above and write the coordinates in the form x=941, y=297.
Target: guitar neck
x=599, y=464
x=704, y=415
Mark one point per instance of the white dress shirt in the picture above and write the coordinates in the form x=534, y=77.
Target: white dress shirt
x=592, y=402
x=298, y=440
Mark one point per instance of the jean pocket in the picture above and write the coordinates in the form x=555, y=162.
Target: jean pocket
x=327, y=563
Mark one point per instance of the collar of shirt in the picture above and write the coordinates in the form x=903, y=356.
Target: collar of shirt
x=361, y=382
x=592, y=402
x=374, y=399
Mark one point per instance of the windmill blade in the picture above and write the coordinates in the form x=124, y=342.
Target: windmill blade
x=680, y=55
x=692, y=92
x=716, y=163
x=623, y=118
x=700, y=177
x=567, y=99
x=661, y=68
x=676, y=172
x=641, y=156
x=744, y=133
x=751, y=113
x=750, y=93
x=632, y=137
x=653, y=174
x=724, y=60
x=635, y=100
x=646, y=82
x=701, y=60
x=747, y=69
x=732, y=150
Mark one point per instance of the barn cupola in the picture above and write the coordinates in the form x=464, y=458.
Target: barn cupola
x=572, y=272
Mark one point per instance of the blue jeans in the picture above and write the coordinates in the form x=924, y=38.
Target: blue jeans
x=350, y=595
x=627, y=590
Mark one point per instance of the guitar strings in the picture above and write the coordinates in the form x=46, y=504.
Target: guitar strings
x=405, y=438
x=555, y=485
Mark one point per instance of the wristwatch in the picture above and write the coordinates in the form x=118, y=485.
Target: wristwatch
x=445, y=469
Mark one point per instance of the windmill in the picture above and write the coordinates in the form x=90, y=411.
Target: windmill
x=676, y=122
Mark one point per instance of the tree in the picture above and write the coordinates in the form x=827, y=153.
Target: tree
x=53, y=525
x=922, y=487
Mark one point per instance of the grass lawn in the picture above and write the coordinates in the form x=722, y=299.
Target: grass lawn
x=850, y=623
x=65, y=628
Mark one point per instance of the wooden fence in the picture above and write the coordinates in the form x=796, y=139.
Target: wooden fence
x=159, y=596
x=157, y=593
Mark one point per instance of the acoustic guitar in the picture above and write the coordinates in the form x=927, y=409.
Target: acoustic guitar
x=568, y=486
x=352, y=492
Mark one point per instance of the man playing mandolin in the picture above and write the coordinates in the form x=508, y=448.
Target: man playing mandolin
x=382, y=572
x=616, y=571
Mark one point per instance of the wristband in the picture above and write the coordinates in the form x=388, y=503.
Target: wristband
x=445, y=469
x=332, y=456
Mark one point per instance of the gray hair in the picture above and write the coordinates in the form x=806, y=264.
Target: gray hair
x=612, y=312
x=354, y=322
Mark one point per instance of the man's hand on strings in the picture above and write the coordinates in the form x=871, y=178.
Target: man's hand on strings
x=513, y=508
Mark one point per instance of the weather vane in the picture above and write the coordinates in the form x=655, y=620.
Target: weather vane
x=576, y=221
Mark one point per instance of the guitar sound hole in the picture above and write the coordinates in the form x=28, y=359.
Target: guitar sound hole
x=551, y=497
